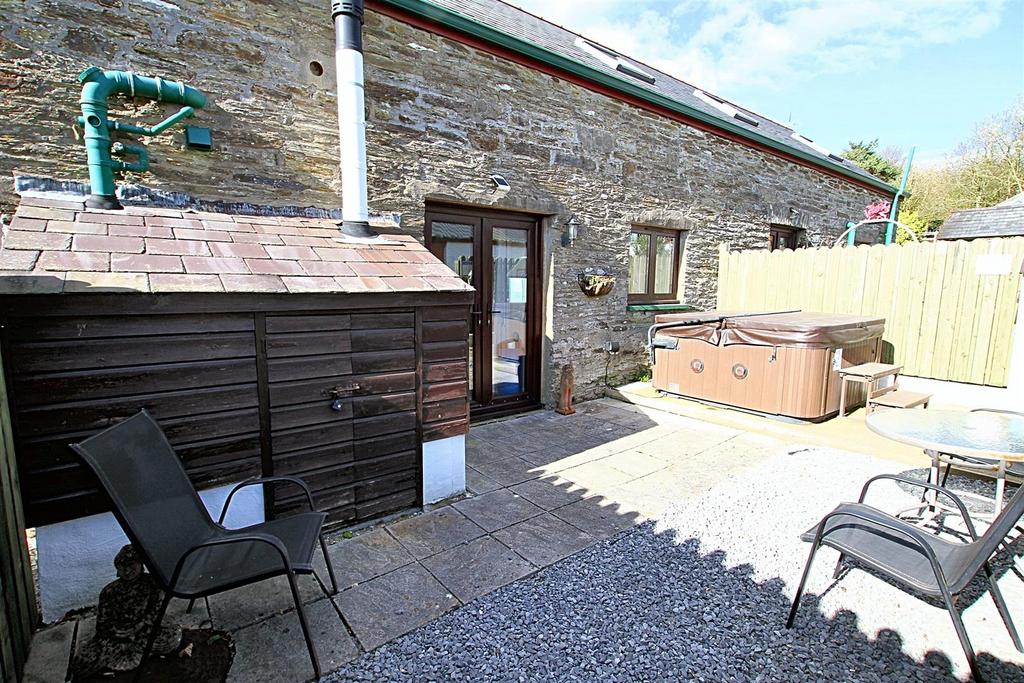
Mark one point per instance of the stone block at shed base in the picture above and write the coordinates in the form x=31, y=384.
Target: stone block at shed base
x=444, y=468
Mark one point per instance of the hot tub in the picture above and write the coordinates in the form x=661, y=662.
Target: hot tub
x=778, y=363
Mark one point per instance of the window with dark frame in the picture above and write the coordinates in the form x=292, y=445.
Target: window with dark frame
x=782, y=237
x=654, y=265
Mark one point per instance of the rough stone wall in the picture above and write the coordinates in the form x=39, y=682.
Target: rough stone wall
x=441, y=118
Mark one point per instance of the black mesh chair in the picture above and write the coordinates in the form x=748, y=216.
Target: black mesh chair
x=907, y=554
x=189, y=554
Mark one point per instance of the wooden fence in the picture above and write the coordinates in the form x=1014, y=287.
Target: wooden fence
x=949, y=306
x=17, y=594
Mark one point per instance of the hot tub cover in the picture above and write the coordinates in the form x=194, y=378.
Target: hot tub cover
x=805, y=329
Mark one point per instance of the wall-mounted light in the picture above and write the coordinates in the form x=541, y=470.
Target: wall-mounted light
x=500, y=184
x=572, y=231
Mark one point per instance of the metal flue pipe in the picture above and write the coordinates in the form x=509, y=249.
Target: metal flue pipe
x=348, y=55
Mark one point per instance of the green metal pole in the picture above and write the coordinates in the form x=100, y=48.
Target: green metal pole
x=890, y=227
x=851, y=237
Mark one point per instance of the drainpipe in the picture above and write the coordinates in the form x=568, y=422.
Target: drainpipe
x=348, y=55
x=890, y=228
x=97, y=86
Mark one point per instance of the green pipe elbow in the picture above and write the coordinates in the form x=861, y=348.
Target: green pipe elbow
x=97, y=87
x=140, y=164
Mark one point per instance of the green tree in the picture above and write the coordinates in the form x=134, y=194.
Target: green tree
x=986, y=169
x=867, y=156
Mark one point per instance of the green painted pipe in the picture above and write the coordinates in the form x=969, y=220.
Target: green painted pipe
x=140, y=151
x=894, y=210
x=97, y=86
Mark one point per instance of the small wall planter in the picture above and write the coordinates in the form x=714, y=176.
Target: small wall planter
x=595, y=281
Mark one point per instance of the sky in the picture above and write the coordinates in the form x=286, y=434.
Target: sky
x=912, y=72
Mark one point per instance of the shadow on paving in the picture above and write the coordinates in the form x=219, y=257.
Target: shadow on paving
x=644, y=607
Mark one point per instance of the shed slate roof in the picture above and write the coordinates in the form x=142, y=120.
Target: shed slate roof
x=1002, y=220
x=520, y=24
x=57, y=246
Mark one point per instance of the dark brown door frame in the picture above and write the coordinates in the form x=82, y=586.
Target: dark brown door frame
x=484, y=222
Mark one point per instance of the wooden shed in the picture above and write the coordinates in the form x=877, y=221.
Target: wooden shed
x=263, y=345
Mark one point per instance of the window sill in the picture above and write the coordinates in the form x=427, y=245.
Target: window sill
x=659, y=307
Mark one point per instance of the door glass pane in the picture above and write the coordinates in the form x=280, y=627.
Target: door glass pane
x=508, y=308
x=664, y=262
x=639, y=251
x=454, y=241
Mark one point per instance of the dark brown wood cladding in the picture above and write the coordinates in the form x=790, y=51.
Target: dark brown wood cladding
x=445, y=368
x=243, y=386
x=335, y=392
x=71, y=376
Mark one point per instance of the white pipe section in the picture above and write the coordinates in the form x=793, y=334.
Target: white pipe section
x=352, y=129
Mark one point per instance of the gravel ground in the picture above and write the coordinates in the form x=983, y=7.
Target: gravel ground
x=702, y=595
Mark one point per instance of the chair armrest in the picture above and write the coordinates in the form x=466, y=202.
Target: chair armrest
x=923, y=484
x=887, y=522
x=254, y=537
x=266, y=480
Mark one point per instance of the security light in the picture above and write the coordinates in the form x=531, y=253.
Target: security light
x=501, y=183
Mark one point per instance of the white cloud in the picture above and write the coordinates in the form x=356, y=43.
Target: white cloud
x=728, y=44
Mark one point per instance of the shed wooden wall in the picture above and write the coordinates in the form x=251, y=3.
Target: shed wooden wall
x=240, y=392
x=17, y=593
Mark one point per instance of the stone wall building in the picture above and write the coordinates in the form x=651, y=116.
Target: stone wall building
x=456, y=92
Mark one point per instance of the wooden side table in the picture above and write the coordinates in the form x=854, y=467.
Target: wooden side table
x=869, y=374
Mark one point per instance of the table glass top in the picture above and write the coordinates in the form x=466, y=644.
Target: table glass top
x=953, y=431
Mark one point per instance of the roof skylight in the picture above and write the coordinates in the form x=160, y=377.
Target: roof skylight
x=724, y=107
x=613, y=60
x=815, y=146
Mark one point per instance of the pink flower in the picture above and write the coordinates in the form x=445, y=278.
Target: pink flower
x=877, y=210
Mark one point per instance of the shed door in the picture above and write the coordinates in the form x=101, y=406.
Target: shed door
x=342, y=399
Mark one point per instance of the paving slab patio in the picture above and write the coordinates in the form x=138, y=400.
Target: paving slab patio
x=240, y=607
x=497, y=509
x=434, y=531
x=478, y=567
x=394, y=604
x=273, y=650
x=544, y=539
x=541, y=487
x=363, y=557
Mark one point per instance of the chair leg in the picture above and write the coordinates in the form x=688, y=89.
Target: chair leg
x=961, y=632
x=191, y=604
x=1004, y=611
x=800, y=588
x=839, y=566
x=304, y=624
x=152, y=637
x=330, y=565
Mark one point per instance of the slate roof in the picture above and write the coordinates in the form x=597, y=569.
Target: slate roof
x=57, y=246
x=520, y=24
x=1002, y=220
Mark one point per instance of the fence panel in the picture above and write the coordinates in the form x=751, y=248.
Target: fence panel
x=17, y=594
x=950, y=306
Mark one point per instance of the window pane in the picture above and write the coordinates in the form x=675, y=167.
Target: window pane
x=639, y=256
x=664, y=262
x=509, y=307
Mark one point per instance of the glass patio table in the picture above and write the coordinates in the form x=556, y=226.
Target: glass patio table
x=992, y=435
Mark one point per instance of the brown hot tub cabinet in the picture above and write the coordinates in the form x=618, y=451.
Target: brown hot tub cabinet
x=780, y=364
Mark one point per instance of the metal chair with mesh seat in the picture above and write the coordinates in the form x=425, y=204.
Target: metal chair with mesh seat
x=189, y=554
x=921, y=561
x=989, y=467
